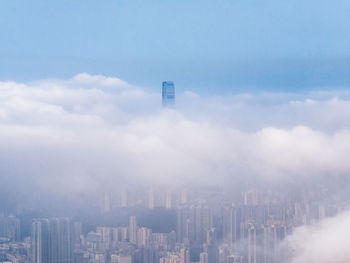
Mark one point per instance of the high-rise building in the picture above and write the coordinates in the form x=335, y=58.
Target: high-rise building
x=203, y=223
x=133, y=230
x=182, y=230
x=193, y=223
x=146, y=254
x=106, y=202
x=144, y=236
x=52, y=240
x=168, y=199
x=39, y=238
x=213, y=252
x=168, y=94
x=106, y=235
x=252, y=246
x=10, y=227
x=185, y=255
x=232, y=219
x=203, y=257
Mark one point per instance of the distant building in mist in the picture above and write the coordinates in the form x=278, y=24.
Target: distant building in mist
x=185, y=255
x=193, y=223
x=52, y=240
x=133, y=228
x=203, y=257
x=10, y=228
x=168, y=94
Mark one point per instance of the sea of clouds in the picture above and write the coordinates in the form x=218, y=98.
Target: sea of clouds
x=66, y=137
x=93, y=129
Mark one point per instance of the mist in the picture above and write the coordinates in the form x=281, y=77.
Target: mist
x=68, y=141
x=76, y=135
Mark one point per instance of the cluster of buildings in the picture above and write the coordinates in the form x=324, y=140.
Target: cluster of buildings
x=10, y=228
x=12, y=247
x=210, y=228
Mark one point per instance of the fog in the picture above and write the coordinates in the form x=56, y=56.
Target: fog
x=96, y=129
x=326, y=241
x=69, y=138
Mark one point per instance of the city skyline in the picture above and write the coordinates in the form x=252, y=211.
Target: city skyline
x=258, y=226
x=100, y=142
x=151, y=131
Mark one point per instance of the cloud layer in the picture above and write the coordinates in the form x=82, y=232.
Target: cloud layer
x=78, y=134
x=324, y=242
x=70, y=137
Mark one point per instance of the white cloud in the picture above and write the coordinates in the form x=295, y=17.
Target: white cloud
x=327, y=241
x=191, y=95
x=55, y=128
x=99, y=80
x=60, y=137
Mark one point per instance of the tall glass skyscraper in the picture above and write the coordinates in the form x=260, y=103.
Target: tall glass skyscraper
x=168, y=94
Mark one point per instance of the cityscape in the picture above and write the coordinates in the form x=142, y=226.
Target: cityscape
x=159, y=225
x=210, y=226
x=153, y=131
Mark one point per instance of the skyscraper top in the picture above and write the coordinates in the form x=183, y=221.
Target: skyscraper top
x=168, y=94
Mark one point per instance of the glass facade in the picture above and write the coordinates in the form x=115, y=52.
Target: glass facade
x=168, y=94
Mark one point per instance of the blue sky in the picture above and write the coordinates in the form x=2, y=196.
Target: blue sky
x=206, y=46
